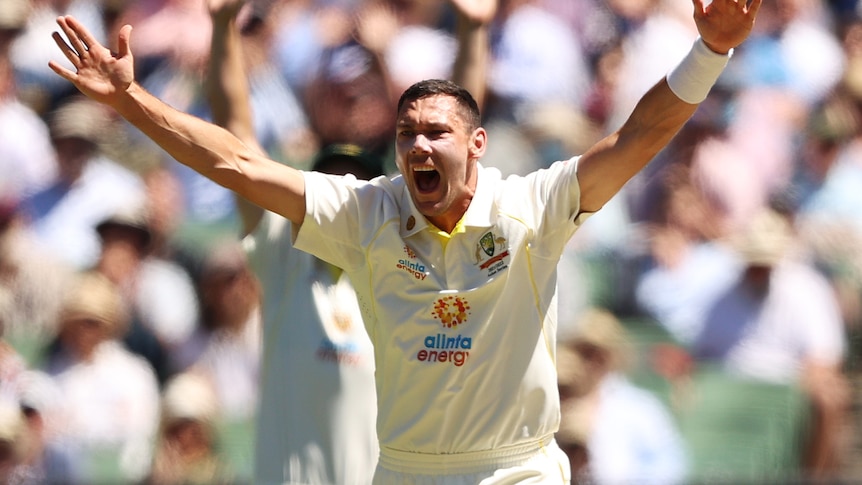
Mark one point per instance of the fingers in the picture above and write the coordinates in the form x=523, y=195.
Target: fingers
x=125, y=41
x=62, y=72
x=87, y=40
x=75, y=41
x=66, y=50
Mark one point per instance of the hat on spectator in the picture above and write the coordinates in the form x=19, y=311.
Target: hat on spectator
x=224, y=257
x=14, y=14
x=189, y=395
x=601, y=328
x=133, y=219
x=80, y=118
x=331, y=155
x=94, y=297
x=765, y=240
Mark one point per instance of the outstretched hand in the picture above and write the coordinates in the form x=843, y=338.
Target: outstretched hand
x=724, y=24
x=99, y=73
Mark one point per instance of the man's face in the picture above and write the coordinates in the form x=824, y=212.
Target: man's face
x=757, y=279
x=72, y=155
x=437, y=156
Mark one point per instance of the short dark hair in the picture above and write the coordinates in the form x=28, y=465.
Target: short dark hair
x=435, y=87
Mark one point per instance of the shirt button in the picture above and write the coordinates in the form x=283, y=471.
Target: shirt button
x=411, y=223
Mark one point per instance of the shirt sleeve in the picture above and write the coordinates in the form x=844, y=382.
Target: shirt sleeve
x=342, y=213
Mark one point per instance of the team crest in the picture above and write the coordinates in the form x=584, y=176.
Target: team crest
x=495, y=252
x=487, y=243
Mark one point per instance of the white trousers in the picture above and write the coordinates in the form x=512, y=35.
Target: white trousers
x=547, y=465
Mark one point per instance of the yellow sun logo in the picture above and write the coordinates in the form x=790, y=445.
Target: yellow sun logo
x=451, y=311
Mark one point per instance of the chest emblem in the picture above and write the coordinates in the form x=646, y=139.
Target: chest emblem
x=451, y=311
x=491, y=251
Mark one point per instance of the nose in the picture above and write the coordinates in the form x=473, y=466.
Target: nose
x=421, y=144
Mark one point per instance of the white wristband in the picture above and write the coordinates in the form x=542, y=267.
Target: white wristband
x=698, y=71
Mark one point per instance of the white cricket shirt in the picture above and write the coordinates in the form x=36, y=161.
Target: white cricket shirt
x=316, y=417
x=464, y=334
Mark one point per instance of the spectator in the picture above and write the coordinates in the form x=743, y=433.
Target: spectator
x=524, y=74
x=31, y=283
x=187, y=451
x=29, y=53
x=26, y=156
x=780, y=322
x=159, y=294
x=687, y=263
x=225, y=345
x=110, y=395
x=44, y=459
x=628, y=434
x=791, y=49
x=90, y=186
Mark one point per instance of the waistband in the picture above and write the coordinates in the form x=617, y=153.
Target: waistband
x=458, y=463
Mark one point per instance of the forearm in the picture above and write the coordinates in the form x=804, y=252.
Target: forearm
x=108, y=77
x=229, y=98
x=656, y=119
x=227, y=85
x=206, y=148
x=471, y=61
x=606, y=167
x=215, y=153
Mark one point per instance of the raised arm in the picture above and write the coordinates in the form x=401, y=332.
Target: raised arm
x=471, y=62
x=228, y=91
x=664, y=109
x=208, y=149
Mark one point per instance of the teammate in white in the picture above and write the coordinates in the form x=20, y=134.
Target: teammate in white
x=454, y=267
x=315, y=422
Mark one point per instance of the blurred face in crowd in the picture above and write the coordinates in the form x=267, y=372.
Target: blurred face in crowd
x=596, y=362
x=81, y=336
x=72, y=156
x=189, y=437
x=757, y=277
x=123, y=249
x=437, y=151
x=229, y=294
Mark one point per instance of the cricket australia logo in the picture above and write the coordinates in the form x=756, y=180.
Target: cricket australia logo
x=491, y=253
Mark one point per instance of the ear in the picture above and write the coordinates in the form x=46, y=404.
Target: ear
x=478, y=142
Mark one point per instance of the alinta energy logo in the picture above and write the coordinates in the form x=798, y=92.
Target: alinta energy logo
x=347, y=353
x=411, y=265
x=451, y=311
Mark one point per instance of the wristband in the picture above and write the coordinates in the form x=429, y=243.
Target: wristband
x=698, y=71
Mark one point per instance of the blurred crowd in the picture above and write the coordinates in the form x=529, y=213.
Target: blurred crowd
x=130, y=318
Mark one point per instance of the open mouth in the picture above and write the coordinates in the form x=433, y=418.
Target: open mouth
x=427, y=179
